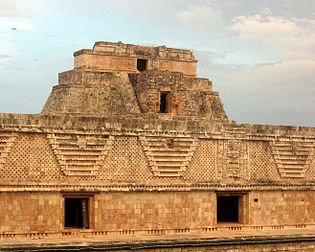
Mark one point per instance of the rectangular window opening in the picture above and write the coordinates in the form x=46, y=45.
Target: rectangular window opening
x=76, y=213
x=141, y=64
x=164, y=99
x=228, y=209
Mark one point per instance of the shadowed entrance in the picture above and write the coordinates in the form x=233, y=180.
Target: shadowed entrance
x=76, y=213
x=227, y=209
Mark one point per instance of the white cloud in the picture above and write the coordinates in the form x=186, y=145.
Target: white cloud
x=295, y=35
x=13, y=15
x=294, y=74
x=280, y=93
x=11, y=8
x=201, y=17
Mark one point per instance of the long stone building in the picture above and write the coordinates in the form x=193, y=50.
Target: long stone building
x=130, y=143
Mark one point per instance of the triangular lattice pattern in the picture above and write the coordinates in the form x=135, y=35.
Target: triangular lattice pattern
x=167, y=156
x=292, y=157
x=80, y=155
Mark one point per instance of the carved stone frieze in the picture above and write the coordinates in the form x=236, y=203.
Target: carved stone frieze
x=80, y=155
x=167, y=156
x=232, y=160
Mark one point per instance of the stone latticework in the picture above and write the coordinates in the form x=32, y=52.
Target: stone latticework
x=6, y=142
x=131, y=142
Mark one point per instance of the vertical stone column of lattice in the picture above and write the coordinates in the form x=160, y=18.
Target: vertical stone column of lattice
x=232, y=159
x=232, y=154
x=6, y=142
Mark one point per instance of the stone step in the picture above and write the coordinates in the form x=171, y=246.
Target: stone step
x=169, y=158
x=169, y=164
x=81, y=158
x=290, y=166
x=289, y=159
x=85, y=163
x=86, y=148
x=79, y=153
x=81, y=167
x=175, y=146
x=168, y=154
x=169, y=169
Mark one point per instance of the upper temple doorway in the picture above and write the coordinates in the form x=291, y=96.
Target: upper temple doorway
x=142, y=64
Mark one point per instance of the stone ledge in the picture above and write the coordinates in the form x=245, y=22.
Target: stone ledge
x=164, y=242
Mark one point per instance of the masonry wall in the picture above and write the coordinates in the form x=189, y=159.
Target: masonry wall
x=154, y=210
x=180, y=210
x=186, y=96
x=92, y=93
x=281, y=208
x=25, y=212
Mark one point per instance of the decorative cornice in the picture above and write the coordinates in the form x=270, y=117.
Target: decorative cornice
x=133, y=187
x=243, y=132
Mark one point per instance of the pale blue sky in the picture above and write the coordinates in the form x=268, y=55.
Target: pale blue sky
x=260, y=55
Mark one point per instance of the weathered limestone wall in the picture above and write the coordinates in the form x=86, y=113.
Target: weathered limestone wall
x=187, y=68
x=281, y=208
x=186, y=96
x=107, y=94
x=154, y=210
x=27, y=212
x=92, y=93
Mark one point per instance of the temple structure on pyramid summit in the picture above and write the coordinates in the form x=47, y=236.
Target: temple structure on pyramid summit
x=133, y=149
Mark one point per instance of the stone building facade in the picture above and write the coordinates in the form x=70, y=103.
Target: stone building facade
x=131, y=142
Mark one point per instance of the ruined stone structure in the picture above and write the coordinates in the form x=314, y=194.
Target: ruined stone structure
x=131, y=142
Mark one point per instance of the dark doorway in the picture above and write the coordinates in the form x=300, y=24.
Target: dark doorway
x=141, y=64
x=227, y=209
x=76, y=213
x=164, y=102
